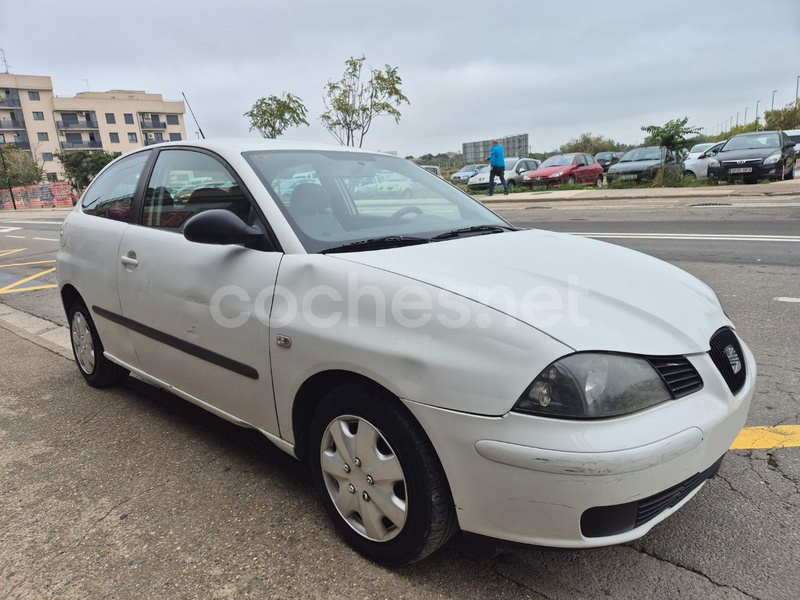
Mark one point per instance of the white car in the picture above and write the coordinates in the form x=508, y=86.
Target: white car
x=515, y=168
x=696, y=162
x=437, y=367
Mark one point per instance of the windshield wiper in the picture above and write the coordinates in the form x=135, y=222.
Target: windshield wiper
x=474, y=229
x=390, y=241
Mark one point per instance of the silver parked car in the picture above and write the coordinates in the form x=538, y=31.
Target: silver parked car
x=515, y=168
x=696, y=162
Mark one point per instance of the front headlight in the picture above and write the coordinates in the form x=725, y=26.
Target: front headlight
x=771, y=160
x=713, y=162
x=594, y=386
x=557, y=174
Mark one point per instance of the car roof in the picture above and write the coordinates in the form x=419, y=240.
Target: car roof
x=229, y=146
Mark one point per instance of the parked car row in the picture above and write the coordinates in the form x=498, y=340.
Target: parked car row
x=515, y=169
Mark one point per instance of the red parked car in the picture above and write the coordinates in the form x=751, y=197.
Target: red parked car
x=578, y=168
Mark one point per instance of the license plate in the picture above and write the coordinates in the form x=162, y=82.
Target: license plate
x=627, y=176
x=741, y=170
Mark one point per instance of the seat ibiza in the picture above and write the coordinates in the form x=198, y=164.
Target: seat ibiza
x=437, y=367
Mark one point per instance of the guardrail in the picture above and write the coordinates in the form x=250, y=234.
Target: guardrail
x=77, y=124
x=80, y=145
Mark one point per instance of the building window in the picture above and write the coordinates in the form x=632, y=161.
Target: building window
x=33, y=96
x=42, y=136
x=158, y=137
x=128, y=119
x=116, y=154
x=111, y=119
x=132, y=138
x=38, y=116
x=174, y=137
x=172, y=120
x=2, y=138
x=114, y=137
x=52, y=177
x=47, y=156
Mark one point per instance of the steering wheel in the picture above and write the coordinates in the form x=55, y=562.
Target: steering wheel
x=406, y=210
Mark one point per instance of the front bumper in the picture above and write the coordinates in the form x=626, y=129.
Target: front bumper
x=759, y=171
x=531, y=480
x=637, y=177
x=545, y=181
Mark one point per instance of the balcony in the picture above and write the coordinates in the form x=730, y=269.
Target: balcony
x=85, y=145
x=10, y=103
x=77, y=124
x=20, y=145
x=11, y=124
x=145, y=124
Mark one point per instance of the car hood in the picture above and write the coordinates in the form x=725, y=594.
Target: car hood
x=548, y=171
x=633, y=167
x=610, y=298
x=744, y=154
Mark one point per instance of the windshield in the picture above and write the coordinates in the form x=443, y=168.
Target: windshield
x=468, y=168
x=752, y=141
x=637, y=154
x=353, y=197
x=604, y=155
x=558, y=161
x=698, y=148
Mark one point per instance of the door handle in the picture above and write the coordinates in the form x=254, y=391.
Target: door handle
x=129, y=261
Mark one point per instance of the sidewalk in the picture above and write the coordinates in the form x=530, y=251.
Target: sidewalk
x=778, y=188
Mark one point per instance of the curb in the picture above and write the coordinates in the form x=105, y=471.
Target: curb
x=40, y=331
x=594, y=196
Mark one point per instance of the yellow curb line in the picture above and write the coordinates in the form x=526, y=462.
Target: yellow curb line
x=764, y=438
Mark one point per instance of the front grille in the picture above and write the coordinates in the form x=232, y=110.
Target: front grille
x=603, y=521
x=726, y=352
x=749, y=162
x=651, y=507
x=678, y=373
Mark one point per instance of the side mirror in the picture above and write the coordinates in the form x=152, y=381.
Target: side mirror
x=791, y=144
x=221, y=227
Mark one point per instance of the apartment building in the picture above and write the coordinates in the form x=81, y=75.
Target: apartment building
x=36, y=120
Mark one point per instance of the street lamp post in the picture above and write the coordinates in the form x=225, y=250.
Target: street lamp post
x=773, y=100
x=745, y=115
x=737, y=119
x=757, y=103
x=796, y=89
x=8, y=179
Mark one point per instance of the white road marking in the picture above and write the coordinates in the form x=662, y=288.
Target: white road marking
x=47, y=239
x=42, y=222
x=711, y=237
x=9, y=229
x=783, y=299
x=17, y=237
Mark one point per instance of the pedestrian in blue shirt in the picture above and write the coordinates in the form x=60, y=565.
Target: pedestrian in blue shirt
x=497, y=168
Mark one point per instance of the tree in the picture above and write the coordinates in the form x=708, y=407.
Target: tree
x=80, y=166
x=272, y=116
x=671, y=136
x=352, y=104
x=17, y=168
x=591, y=144
x=787, y=117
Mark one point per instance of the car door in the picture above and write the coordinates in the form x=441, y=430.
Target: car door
x=198, y=313
x=580, y=169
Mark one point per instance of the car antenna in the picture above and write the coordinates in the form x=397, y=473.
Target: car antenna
x=195, y=118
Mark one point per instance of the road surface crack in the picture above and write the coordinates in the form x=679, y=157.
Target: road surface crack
x=693, y=570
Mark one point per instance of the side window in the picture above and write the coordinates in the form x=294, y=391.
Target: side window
x=582, y=160
x=589, y=159
x=110, y=195
x=185, y=183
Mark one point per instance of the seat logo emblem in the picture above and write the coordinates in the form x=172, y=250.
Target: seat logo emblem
x=733, y=358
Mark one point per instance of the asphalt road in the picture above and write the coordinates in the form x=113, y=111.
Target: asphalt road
x=134, y=493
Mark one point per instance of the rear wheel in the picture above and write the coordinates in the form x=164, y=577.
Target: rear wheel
x=599, y=182
x=689, y=175
x=379, y=477
x=88, y=349
x=790, y=174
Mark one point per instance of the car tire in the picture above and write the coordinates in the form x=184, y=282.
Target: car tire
x=790, y=174
x=415, y=515
x=570, y=181
x=690, y=174
x=87, y=349
x=599, y=182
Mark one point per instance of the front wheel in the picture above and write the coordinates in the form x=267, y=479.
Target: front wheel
x=571, y=181
x=88, y=349
x=379, y=477
x=599, y=182
x=689, y=175
x=790, y=174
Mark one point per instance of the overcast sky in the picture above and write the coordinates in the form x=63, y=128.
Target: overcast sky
x=472, y=70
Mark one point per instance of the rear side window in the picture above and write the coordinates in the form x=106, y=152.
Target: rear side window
x=110, y=195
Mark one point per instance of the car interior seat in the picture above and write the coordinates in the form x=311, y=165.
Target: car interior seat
x=310, y=206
